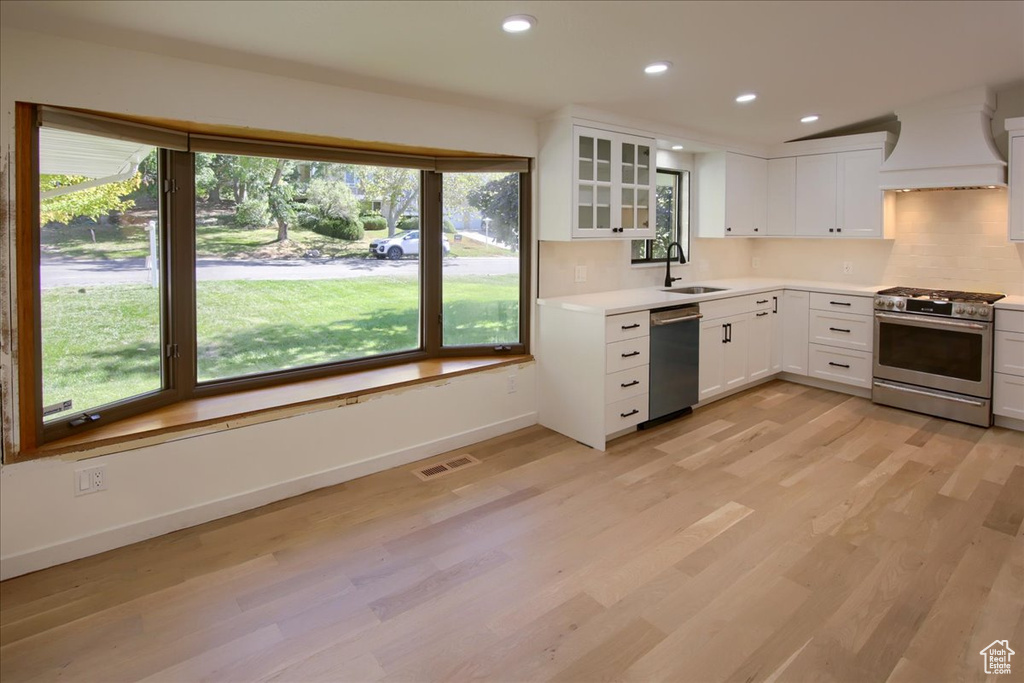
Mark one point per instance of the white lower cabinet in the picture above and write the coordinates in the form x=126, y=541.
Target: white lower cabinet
x=796, y=312
x=736, y=343
x=1008, y=363
x=841, y=335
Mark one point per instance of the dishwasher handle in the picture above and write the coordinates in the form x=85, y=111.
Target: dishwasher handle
x=676, y=315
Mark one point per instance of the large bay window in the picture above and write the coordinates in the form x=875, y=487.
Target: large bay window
x=157, y=266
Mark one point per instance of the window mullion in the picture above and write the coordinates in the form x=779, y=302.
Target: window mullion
x=430, y=261
x=178, y=194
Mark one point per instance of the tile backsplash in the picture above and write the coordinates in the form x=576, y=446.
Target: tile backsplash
x=953, y=239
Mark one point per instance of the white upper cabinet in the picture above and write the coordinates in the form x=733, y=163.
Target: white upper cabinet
x=782, y=196
x=816, y=195
x=597, y=184
x=732, y=194
x=858, y=197
x=1016, y=179
x=838, y=195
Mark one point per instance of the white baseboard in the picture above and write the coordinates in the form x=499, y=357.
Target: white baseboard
x=116, y=537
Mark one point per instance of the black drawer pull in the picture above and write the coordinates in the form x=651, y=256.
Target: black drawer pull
x=630, y=384
x=838, y=329
x=630, y=327
x=763, y=301
x=632, y=412
x=630, y=354
x=761, y=314
x=839, y=365
x=840, y=303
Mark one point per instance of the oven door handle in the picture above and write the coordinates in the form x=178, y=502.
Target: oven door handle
x=930, y=321
x=931, y=394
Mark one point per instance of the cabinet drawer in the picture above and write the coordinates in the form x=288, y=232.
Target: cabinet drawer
x=1010, y=321
x=1009, y=353
x=626, y=413
x=859, y=305
x=1008, y=395
x=626, y=384
x=846, y=330
x=839, y=365
x=627, y=326
x=629, y=353
x=736, y=305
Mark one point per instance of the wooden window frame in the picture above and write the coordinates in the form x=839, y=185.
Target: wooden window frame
x=178, y=324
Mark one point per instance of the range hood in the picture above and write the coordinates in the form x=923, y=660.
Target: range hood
x=946, y=143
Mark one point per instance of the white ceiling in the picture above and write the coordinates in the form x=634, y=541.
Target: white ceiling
x=847, y=61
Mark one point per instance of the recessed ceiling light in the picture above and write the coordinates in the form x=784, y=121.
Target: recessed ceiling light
x=810, y=118
x=746, y=97
x=677, y=147
x=657, y=67
x=518, y=23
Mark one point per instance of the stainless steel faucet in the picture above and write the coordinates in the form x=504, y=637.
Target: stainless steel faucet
x=668, y=263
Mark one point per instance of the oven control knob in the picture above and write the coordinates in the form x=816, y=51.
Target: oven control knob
x=899, y=304
x=888, y=304
x=970, y=311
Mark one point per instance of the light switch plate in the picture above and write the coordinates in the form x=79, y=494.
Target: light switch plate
x=581, y=273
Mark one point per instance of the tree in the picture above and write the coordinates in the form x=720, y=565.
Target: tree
x=91, y=202
x=499, y=201
x=397, y=188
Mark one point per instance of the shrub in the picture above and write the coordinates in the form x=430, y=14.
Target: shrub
x=332, y=199
x=374, y=222
x=252, y=213
x=409, y=223
x=448, y=226
x=350, y=229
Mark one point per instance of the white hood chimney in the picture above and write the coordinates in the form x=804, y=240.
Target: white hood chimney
x=946, y=142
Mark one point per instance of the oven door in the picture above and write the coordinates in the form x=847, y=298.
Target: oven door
x=948, y=355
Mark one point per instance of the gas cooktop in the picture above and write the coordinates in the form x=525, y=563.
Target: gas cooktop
x=942, y=295
x=949, y=303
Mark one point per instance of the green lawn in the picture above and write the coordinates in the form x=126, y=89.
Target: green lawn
x=102, y=343
x=223, y=240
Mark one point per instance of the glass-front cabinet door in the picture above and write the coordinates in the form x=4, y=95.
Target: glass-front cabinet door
x=613, y=188
x=637, y=188
x=594, y=164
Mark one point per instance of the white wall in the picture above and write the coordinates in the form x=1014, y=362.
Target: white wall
x=160, y=488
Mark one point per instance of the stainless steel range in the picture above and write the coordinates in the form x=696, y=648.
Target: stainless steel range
x=933, y=352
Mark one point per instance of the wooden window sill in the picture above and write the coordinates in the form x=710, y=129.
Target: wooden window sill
x=238, y=409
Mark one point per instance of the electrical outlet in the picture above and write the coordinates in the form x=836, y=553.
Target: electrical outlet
x=755, y=262
x=90, y=480
x=513, y=382
x=847, y=267
x=581, y=273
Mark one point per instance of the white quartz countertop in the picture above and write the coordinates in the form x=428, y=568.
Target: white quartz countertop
x=1012, y=303
x=629, y=300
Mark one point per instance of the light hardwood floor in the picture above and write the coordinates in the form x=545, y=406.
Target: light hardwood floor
x=784, y=534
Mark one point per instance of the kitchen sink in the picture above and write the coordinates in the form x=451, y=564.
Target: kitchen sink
x=694, y=290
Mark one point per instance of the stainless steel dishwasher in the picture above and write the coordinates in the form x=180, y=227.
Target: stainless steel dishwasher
x=675, y=357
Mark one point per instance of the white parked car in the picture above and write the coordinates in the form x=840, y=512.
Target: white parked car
x=402, y=244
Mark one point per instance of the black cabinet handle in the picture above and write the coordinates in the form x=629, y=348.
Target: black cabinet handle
x=762, y=314
x=763, y=301
x=831, y=230
x=632, y=412
x=840, y=303
x=775, y=304
x=725, y=337
x=728, y=333
x=839, y=229
x=839, y=365
x=838, y=329
x=755, y=229
x=728, y=229
x=630, y=327
x=630, y=354
x=630, y=384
